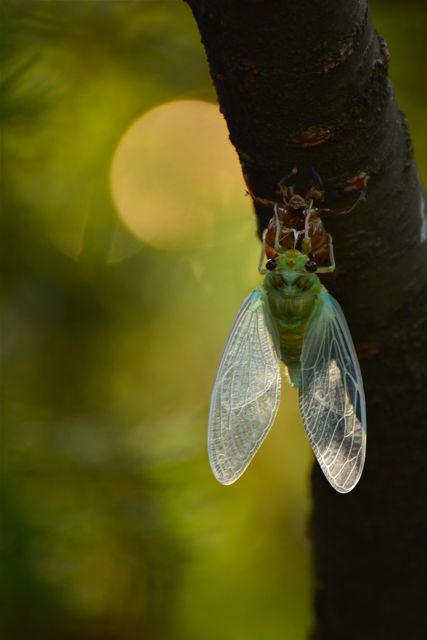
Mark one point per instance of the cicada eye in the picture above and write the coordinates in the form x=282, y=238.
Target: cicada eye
x=271, y=264
x=310, y=266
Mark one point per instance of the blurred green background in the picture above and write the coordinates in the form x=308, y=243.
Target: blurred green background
x=128, y=246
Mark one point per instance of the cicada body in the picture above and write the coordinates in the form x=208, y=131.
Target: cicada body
x=289, y=318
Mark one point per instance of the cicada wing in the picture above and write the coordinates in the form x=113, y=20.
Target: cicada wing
x=246, y=392
x=332, y=400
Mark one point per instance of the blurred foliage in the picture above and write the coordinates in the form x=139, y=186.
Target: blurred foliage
x=404, y=27
x=113, y=525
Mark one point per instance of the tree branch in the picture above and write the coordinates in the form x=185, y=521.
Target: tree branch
x=305, y=84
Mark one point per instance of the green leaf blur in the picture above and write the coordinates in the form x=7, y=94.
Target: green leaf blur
x=114, y=526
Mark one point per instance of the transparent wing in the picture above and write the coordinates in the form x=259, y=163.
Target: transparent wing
x=246, y=392
x=332, y=400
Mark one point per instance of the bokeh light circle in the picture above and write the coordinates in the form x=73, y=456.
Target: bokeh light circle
x=174, y=172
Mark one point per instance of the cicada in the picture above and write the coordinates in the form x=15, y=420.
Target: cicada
x=289, y=318
x=297, y=217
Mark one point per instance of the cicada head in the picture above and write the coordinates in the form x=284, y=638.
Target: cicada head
x=294, y=260
x=294, y=271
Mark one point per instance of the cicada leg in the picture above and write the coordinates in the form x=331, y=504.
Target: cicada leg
x=331, y=267
x=262, y=270
x=284, y=186
x=318, y=179
x=277, y=236
x=306, y=243
x=264, y=201
x=317, y=190
x=307, y=221
x=345, y=212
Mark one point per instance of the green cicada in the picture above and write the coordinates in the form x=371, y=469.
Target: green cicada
x=290, y=318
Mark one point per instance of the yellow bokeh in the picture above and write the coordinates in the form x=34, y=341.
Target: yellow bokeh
x=173, y=172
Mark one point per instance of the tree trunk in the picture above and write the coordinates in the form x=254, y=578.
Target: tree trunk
x=304, y=84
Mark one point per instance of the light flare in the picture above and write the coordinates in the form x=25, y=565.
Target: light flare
x=173, y=173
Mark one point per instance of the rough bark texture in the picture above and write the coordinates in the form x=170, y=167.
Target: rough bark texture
x=282, y=69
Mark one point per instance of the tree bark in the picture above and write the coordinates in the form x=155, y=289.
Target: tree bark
x=305, y=84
